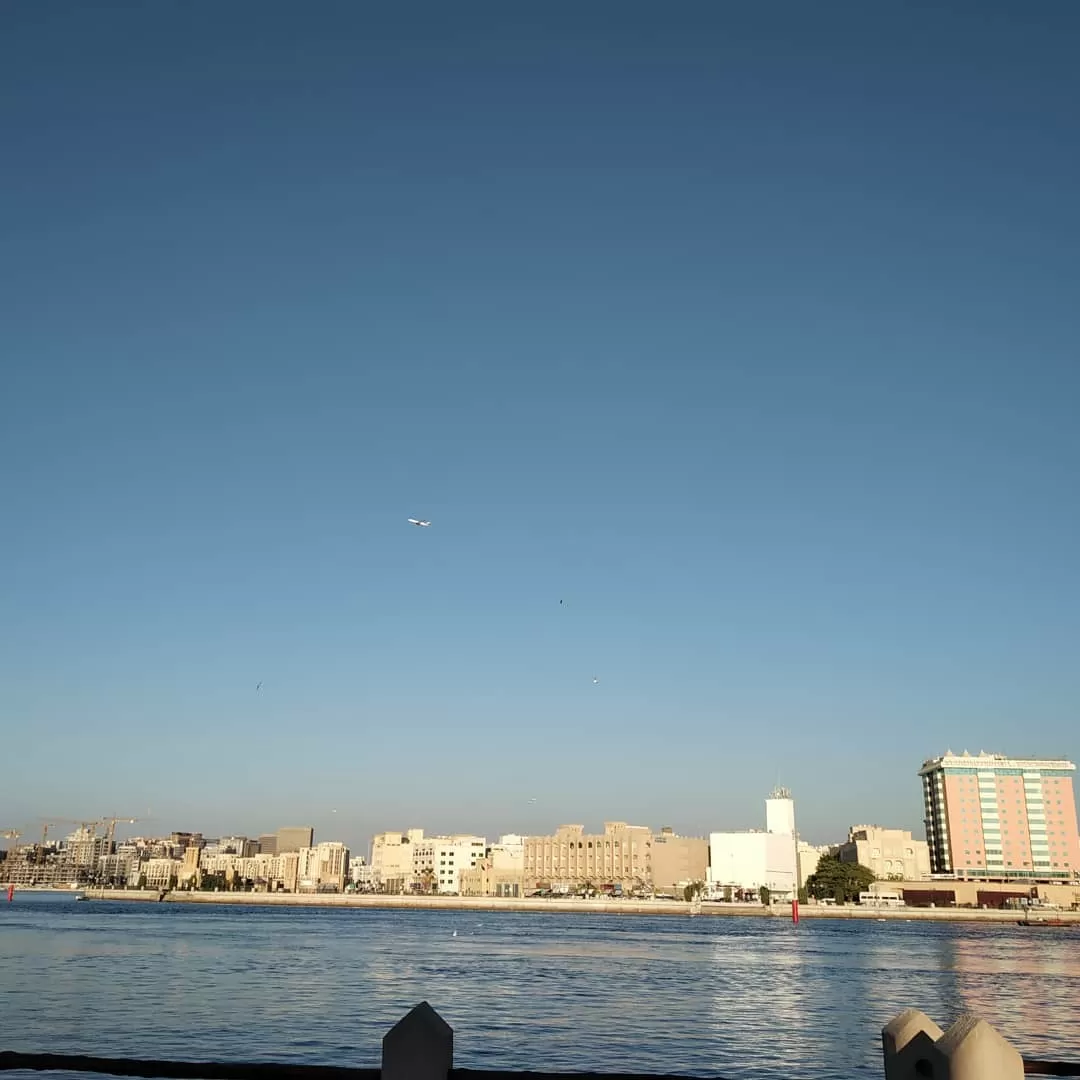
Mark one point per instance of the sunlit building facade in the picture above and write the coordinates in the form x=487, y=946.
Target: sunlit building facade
x=992, y=817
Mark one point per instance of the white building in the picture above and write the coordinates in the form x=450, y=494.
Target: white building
x=361, y=874
x=750, y=860
x=454, y=854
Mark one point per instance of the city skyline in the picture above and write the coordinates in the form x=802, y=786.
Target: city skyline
x=730, y=356
x=357, y=837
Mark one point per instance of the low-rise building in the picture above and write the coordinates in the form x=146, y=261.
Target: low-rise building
x=893, y=854
x=808, y=856
x=677, y=861
x=572, y=859
x=485, y=879
x=453, y=854
x=361, y=874
x=748, y=861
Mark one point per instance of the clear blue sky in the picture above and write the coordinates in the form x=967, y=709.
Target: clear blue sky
x=749, y=332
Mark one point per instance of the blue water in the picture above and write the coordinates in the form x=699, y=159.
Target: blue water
x=732, y=997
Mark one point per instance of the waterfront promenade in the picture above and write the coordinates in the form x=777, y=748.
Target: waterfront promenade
x=569, y=906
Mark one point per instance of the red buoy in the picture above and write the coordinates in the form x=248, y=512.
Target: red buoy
x=11, y=892
x=795, y=912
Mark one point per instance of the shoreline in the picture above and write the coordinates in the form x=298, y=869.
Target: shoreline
x=671, y=908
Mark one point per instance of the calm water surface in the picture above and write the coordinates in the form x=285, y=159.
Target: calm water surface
x=710, y=996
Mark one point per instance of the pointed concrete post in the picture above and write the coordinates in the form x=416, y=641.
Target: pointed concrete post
x=915, y=1049
x=909, y=1044
x=976, y=1051
x=420, y=1046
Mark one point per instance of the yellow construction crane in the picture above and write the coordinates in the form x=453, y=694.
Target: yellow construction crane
x=110, y=824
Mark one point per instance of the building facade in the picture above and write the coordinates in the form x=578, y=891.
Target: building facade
x=294, y=838
x=392, y=860
x=893, y=854
x=991, y=817
x=324, y=867
x=747, y=861
x=571, y=859
x=677, y=861
x=807, y=858
x=485, y=879
x=453, y=854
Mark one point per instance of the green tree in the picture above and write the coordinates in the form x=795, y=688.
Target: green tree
x=839, y=881
x=765, y=895
x=693, y=890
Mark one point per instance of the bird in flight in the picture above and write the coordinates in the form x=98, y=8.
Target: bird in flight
x=417, y=521
x=596, y=680
x=258, y=687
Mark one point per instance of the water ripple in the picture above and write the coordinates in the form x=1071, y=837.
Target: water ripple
x=740, y=998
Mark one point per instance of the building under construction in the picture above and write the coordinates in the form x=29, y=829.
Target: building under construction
x=78, y=860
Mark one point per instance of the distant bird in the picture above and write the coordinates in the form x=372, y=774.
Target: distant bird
x=258, y=687
x=596, y=680
x=417, y=521
x=532, y=800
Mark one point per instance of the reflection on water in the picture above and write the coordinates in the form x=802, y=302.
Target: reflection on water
x=734, y=997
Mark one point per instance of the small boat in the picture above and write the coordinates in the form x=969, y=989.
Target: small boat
x=1045, y=922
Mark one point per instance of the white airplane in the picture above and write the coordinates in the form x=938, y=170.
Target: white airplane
x=416, y=521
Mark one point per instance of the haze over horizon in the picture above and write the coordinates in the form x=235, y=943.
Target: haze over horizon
x=730, y=352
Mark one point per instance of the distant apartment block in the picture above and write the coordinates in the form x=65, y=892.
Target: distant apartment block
x=324, y=867
x=992, y=817
x=890, y=853
x=620, y=855
x=294, y=838
x=392, y=860
x=267, y=844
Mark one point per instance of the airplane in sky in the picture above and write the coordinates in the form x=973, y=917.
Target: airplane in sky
x=417, y=521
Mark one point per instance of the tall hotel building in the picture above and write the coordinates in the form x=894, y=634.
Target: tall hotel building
x=991, y=817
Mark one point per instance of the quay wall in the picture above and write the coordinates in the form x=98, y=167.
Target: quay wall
x=588, y=907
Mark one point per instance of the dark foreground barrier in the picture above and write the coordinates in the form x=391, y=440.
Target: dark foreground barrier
x=421, y=1047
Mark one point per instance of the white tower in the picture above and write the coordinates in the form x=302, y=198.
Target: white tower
x=780, y=812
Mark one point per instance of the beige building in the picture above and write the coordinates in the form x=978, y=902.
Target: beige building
x=487, y=879
x=893, y=854
x=392, y=861
x=160, y=873
x=620, y=855
x=294, y=838
x=189, y=868
x=324, y=867
x=677, y=861
x=808, y=856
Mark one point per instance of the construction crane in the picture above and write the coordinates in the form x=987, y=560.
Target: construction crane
x=110, y=824
x=46, y=826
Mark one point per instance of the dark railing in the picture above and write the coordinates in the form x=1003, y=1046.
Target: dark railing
x=419, y=1047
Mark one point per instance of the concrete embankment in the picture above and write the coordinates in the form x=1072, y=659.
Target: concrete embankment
x=587, y=907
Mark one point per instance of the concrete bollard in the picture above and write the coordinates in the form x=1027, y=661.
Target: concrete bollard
x=915, y=1048
x=420, y=1046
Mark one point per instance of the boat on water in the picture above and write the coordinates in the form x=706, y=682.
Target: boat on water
x=1046, y=922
